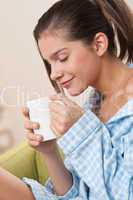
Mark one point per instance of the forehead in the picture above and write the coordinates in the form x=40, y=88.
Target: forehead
x=49, y=43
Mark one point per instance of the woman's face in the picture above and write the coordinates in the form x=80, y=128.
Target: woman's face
x=70, y=61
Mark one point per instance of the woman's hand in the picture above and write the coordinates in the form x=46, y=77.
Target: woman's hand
x=64, y=113
x=36, y=140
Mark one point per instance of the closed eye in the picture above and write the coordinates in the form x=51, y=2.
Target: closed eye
x=63, y=60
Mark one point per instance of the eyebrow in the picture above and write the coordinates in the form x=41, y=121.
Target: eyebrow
x=55, y=53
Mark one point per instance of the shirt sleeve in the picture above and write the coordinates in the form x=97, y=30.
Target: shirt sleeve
x=99, y=157
x=84, y=145
x=78, y=191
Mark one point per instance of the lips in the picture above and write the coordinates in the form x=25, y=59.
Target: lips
x=66, y=83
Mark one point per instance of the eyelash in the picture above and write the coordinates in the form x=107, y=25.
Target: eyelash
x=63, y=60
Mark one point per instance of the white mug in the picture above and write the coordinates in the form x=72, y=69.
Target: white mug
x=39, y=112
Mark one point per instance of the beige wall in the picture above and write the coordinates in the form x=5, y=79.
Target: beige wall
x=22, y=73
x=130, y=2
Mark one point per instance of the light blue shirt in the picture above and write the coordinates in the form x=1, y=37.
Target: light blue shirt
x=99, y=157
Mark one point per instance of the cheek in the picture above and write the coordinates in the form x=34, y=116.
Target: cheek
x=85, y=67
x=89, y=70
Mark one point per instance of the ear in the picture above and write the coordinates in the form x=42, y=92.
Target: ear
x=100, y=43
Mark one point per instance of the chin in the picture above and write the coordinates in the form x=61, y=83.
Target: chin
x=75, y=92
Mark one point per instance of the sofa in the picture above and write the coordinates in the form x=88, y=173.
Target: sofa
x=24, y=161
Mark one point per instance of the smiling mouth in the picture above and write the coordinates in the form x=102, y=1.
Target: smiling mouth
x=67, y=83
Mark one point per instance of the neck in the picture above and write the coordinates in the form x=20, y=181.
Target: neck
x=114, y=73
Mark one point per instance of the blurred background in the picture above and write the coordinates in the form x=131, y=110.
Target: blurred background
x=22, y=74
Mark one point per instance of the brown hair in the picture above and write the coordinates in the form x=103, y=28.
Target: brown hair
x=83, y=19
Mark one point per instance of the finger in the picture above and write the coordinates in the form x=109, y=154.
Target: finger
x=64, y=99
x=35, y=137
x=30, y=135
x=31, y=125
x=25, y=112
x=58, y=117
x=57, y=113
x=34, y=143
x=55, y=97
x=55, y=107
x=67, y=101
x=55, y=117
x=27, y=131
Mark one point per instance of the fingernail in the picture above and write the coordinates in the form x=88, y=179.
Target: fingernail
x=36, y=126
x=39, y=137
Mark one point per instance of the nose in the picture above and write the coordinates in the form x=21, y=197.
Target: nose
x=56, y=73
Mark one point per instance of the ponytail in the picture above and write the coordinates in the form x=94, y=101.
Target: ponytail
x=120, y=16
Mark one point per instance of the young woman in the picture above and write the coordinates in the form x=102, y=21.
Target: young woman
x=82, y=44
